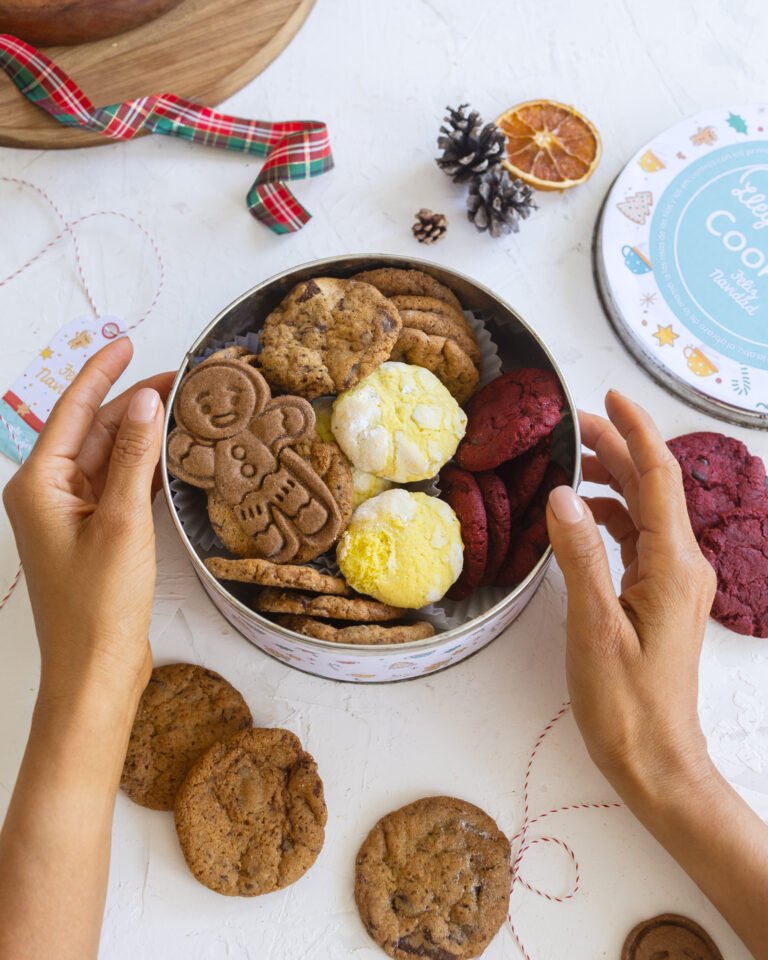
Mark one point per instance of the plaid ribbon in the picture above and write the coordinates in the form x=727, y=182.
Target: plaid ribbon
x=295, y=149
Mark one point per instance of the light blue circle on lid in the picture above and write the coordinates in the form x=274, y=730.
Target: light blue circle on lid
x=709, y=249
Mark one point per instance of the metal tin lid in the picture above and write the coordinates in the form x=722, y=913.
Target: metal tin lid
x=681, y=261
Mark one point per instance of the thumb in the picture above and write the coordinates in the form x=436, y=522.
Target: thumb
x=580, y=553
x=134, y=456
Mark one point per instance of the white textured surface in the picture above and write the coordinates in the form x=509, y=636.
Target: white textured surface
x=380, y=75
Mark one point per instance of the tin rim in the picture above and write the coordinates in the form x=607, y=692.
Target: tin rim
x=456, y=633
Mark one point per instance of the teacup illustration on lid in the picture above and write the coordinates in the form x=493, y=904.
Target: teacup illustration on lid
x=698, y=362
x=636, y=258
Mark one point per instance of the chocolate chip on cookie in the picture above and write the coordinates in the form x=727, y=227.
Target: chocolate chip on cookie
x=509, y=416
x=360, y=633
x=433, y=880
x=250, y=815
x=393, y=282
x=671, y=937
x=440, y=355
x=183, y=711
x=278, y=575
x=272, y=600
x=326, y=335
x=233, y=439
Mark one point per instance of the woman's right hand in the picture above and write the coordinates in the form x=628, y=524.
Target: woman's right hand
x=632, y=659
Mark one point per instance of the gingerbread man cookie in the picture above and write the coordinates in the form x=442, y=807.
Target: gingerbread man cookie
x=235, y=441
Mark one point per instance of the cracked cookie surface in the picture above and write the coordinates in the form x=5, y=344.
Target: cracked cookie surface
x=433, y=880
x=183, y=711
x=251, y=815
x=327, y=335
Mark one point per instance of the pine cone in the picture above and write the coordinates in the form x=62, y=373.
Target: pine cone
x=497, y=204
x=429, y=226
x=469, y=148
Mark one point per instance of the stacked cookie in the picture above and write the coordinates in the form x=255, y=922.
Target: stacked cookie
x=248, y=802
x=502, y=477
x=309, y=449
x=727, y=497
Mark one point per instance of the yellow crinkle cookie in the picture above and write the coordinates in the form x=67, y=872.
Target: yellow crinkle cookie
x=399, y=422
x=364, y=485
x=402, y=548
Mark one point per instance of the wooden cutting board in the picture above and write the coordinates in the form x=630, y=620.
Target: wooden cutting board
x=204, y=50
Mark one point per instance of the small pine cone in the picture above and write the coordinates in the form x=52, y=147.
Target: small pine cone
x=497, y=204
x=469, y=148
x=429, y=226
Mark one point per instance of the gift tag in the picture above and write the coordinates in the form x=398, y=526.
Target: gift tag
x=27, y=403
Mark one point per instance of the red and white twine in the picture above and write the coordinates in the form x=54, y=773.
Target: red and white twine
x=524, y=843
x=67, y=229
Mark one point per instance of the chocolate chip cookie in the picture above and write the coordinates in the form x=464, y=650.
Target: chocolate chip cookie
x=250, y=815
x=271, y=600
x=433, y=880
x=183, y=711
x=326, y=336
x=360, y=633
x=670, y=937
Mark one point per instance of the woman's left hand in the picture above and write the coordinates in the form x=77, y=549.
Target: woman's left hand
x=81, y=510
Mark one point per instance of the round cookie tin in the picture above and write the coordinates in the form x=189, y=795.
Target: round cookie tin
x=518, y=345
x=681, y=261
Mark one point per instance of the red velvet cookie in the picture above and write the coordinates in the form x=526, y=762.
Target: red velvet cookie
x=719, y=474
x=509, y=416
x=523, y=475
x=737, y=548
x=460, y=491
x=529, y=537
x=496, y=503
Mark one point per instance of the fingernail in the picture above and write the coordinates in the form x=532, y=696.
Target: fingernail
x=143, y=405
x=566, y=505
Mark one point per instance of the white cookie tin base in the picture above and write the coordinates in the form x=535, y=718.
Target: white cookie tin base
x=518, y=346
x=681, y=261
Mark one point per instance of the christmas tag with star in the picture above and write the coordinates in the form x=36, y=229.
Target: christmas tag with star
x=681, y=261
x=27, y=403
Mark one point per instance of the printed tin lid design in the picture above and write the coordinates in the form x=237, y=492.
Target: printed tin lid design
x=681, y=261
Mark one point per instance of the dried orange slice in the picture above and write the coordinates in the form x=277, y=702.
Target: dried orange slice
x=549, y=146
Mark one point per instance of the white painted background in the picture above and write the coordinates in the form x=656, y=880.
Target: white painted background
x=380, y=75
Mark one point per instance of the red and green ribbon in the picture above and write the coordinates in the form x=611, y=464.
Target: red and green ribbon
x=295, y=149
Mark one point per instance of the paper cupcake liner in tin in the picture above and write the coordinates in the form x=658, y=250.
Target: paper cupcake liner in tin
x=681, y=261
x=251, y=342
x=191, y=507
x=489, y=353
